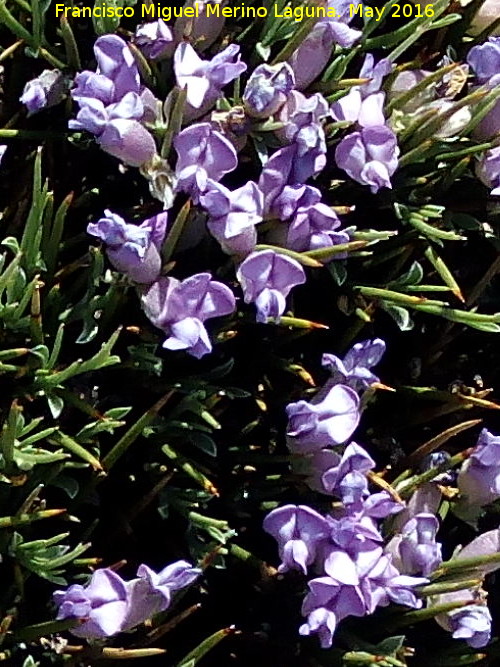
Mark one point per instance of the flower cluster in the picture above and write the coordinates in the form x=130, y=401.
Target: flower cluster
x=355, y=568
x=109, y=604
x=345, y=548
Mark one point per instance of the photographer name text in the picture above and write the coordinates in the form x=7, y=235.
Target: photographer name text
x=296, y=14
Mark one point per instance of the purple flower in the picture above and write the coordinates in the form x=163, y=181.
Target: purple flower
x=344, y=476
x=205, y=79
x=152, y=592
x=281, y=181
x=45, y=90
x=354, y=369
x=233, y=215
x=313, y=54
x=332, y=421
x=326, y=604
x=111, y=103
x=132, y=249
x=108, y=604
x=267, y=89
x=369, y=157
x=203, y=154
x=154, y=39
x=299, y=531
x=128, y=141
x=488, y=169
x=472, y=624
x=416, y=551
x=349, y=480
x=301, y=117
x=365, y=111
x=479, y=476
x=181, y=308
x=116, y=64
x=375, y=72
x=204, y=28
x=266, y=278
x=314, y=227
x=383, y=584
x=102, y=604
x=485, y=60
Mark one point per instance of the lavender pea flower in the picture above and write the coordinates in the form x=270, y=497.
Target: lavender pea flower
x=267, y=89
x=416, y=551
x=299, y=531
x=152, y=592
x=154, y=39
x=108, y=604
x=313, y=227
x=354, y=369
x=484, y=59
x=266, y=278
x=332, y=421
x=472, y=624
x=233, y=215
x=302, y=126
x=132, y=249
x=181, y=308
x=102, y=605
x=203, y=154
x=479, y=476
x=326, y=604
x=45, y=90
x=369, y=157
x=205, y=79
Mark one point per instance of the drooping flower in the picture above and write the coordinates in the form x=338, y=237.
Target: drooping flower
x=369, y=157
x=181, y=308
x=46, y=90
x=313, y=54
x=267, y=89
x=132, y=249
x=154, y=39
x=354, y=369
x=205, y=79
x=267, y=278
x=202, y=29
x=332, y=421
x=233, y=215
x=300, y=532
x=203, y=154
